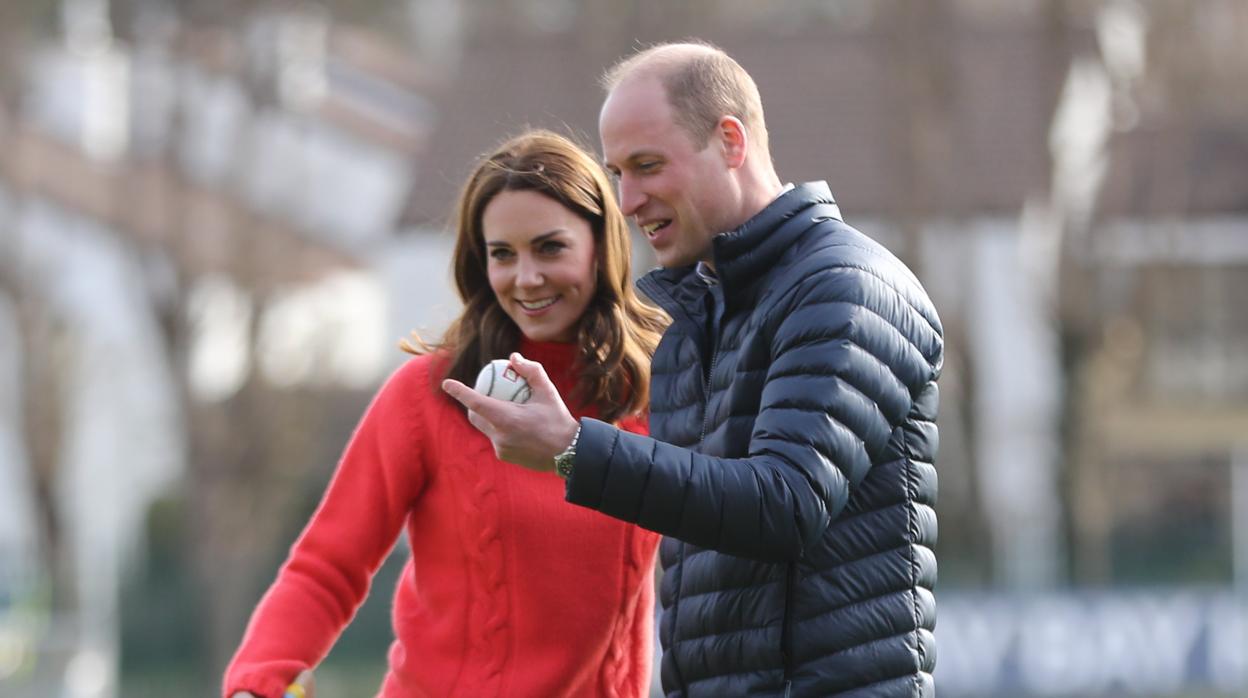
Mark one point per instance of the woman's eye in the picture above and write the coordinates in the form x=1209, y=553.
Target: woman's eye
x=552, y=247
x=500, y=254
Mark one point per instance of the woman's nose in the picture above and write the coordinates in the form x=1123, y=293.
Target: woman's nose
x=528, y=274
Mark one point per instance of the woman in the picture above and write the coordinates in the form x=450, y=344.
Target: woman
x=509, y=591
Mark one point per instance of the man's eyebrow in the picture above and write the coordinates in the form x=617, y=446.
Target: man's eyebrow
x=633, y=157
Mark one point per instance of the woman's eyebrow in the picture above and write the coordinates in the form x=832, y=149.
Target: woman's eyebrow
x=545, y=236
x=537, y=239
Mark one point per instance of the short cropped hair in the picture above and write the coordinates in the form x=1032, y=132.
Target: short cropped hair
x=703, y=84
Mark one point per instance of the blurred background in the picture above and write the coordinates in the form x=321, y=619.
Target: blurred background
x=218, y=217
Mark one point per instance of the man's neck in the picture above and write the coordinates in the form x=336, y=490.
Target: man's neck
x=760, y=189
x=763, y=201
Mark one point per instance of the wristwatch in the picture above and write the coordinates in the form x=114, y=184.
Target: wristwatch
x=563, y=461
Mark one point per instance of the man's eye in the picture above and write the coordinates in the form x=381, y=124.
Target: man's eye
x=648, y=166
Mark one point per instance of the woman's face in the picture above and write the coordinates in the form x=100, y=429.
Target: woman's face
x=541, y=263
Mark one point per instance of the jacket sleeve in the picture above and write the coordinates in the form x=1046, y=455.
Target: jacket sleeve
x=330, y=567
x=838, y=382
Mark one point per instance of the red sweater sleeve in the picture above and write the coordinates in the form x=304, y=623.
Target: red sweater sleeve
x=329, y=569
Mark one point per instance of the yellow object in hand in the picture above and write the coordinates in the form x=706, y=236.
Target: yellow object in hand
x=295, y=690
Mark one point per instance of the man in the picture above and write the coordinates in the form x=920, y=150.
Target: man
x=793, y=407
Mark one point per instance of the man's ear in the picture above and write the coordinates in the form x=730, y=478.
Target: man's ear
x=733, y=140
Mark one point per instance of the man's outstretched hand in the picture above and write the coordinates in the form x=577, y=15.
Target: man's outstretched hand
x=529, y=434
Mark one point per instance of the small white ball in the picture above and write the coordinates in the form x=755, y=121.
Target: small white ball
x=498, y=380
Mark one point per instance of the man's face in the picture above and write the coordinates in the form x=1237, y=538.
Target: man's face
x=678, y=194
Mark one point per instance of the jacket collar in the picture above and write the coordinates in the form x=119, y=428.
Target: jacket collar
x=745, y=254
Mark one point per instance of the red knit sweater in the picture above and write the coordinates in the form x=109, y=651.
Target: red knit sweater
x=510, y=590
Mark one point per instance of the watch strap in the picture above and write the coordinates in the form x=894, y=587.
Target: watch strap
x=565, y=459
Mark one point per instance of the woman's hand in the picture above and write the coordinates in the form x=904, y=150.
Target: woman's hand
x=304, y=686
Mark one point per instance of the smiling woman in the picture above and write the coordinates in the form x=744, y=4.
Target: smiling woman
x=521, y=246
x=518, y=592
x=541, y=263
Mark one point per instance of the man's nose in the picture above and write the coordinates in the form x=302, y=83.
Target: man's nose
x=631, y=196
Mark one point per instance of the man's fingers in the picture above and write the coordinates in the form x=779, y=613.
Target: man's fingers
x=480, y=407
x=483, y=425
x=484, y=405
x=535, y=374
x=466, y=396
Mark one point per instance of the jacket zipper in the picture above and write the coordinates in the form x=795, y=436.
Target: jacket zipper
x=790, y=587
x=786, y=628
x=706, y=415
x=710, y=372
x=706, y=392
x=660, y=295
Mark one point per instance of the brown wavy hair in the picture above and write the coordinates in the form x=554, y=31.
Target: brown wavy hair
x=618, y=332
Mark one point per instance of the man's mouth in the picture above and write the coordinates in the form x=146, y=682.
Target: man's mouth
x=650, y=229
x=537, y=304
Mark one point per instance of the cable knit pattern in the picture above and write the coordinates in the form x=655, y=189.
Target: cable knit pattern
x=510, y=590
x=488, y=616
x=615, y=675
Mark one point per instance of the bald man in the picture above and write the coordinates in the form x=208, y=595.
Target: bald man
x=793, y=435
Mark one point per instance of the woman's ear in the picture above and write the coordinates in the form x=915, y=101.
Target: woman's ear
x=734, y=140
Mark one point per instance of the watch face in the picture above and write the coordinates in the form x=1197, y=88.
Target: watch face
x=563, y=465
x=563, y=461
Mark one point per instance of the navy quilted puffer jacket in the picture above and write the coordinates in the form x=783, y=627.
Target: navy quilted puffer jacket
x=791, y=464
